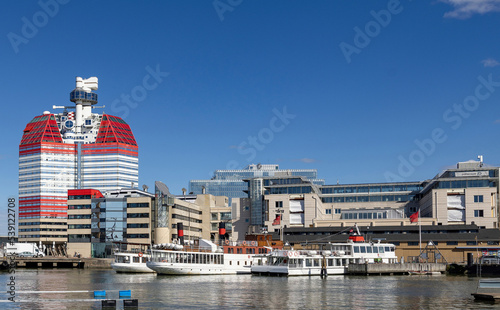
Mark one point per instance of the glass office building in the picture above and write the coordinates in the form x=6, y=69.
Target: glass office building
x=230, y=183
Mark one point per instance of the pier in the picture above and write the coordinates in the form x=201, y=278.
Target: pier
x=61, y=262
x=393, y=269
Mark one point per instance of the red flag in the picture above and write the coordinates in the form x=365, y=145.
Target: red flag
x=414, y=217
x=277, y=221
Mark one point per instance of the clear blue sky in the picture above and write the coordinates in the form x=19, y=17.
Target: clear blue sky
x=359, y=87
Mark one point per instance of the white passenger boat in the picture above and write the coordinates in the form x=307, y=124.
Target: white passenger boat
x=131, y=262
x=131, y=257
x=332, y=261
x=205, y=258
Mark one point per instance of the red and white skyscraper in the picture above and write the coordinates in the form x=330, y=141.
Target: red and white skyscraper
x=70, y=150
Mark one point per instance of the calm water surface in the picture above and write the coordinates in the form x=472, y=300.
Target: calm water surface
x=241, y=292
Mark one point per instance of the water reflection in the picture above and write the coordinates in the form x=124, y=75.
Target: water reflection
x=241, y=292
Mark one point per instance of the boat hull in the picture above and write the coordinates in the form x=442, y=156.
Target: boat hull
x=287, y=271
x=131, y=268
x=196, y=269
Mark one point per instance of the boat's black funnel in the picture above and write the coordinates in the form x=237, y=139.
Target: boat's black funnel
x=180, y=232
x=222, y=232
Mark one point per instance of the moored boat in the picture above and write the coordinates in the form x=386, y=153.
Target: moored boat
x=131, y=262
x=488, y=289
x=334, y=259
x=131, y=257
x=205, y=258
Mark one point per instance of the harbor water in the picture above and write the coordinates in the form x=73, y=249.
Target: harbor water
x=74, y=287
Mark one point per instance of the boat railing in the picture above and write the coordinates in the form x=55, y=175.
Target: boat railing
x=131, y=251
x=186, y=248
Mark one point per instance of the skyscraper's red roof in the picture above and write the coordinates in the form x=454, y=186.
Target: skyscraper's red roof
x=114, y=129
x=42, y=128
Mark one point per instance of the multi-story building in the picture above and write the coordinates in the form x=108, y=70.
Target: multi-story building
x=199, y=214
x=230, y=183
x=463, y=197
x=96, y=221
x=70, y=150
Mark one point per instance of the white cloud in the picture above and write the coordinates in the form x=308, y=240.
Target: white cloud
x=490, y=62
x=497, y=121
x=466, y=8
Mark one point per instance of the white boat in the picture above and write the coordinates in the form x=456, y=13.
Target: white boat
x=332, y=261
x=131, y=257
x=488, y=289
x=131, y=262
x=205, y=258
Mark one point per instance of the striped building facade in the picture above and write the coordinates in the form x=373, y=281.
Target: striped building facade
x=70, y=150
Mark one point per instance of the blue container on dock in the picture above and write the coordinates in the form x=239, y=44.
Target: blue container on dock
x=126, y=294
x=99, y=294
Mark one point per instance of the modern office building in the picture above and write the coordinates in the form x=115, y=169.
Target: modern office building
x=199, y=214
x=230, y=183
x=74, y=149
x=96, y=221
x=467, y=196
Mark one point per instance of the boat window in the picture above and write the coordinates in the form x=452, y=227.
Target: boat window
x=331, y=262
x=301, y=262
x=356, y=249
x=308, y=262
x=136, y=259
x=316, y=263
x=375, y=249
x=145, y=259
x=368, y=249
x=381, y=249
x=363, y=249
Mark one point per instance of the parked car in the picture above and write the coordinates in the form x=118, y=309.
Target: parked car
x=26, y=254
x=490, y=260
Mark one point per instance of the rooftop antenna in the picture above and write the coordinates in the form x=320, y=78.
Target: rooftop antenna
x=145, y=187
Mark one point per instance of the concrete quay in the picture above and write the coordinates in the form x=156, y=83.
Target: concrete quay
x=59, y=262
x=391, y=269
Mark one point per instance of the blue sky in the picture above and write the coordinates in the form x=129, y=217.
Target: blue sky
x=362, y=91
